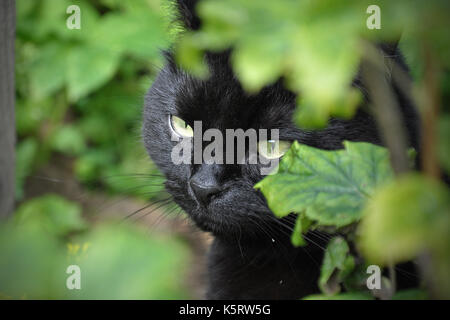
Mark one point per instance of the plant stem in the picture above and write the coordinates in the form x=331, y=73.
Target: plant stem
x=430, y=111
x=376, y=77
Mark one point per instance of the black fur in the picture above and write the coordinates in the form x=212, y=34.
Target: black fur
x=251, y=256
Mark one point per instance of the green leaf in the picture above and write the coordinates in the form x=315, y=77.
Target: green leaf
x=405, y=219
x=47, y=72
x=142, y=32
x=250, y=62
x=190, y=57
x=289, y=39
x=123, y=262
x=411, y=214
x=117, y=261
x=315, y=46
x=330, y=186
x=88, y=68
x=52, y=214
x=30, y=114
x=302, y=224
x=89, y=165
x=42, y=19
x=336, y=265
x=68, y=140
x=31, y=264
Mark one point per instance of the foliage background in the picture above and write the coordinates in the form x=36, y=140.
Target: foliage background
x=78, y=114
x=79, y=92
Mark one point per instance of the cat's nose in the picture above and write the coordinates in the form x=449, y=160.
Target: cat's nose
x=204, y=190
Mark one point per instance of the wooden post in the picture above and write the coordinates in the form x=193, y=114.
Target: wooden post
x=7, y=118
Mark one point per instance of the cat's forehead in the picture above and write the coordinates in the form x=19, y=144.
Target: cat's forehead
x=221, y=102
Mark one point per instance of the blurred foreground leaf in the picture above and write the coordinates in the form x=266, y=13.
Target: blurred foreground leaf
x=88, y=68
x=314, y=46
x=117, y=261
x=405, y=219
x=123, y=262
x=68, y=139
x=51, y=214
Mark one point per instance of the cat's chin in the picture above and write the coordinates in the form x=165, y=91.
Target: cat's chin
x=233, y=229
x=210, y=222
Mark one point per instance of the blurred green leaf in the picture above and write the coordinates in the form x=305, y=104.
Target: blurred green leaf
x=407, y=218
x=141, y=33
x=272, y=39
x=190, y=57
x=30, y=264
x=251, y=63
x=89, y=165
x=31, y=114
x=315, y=46
x=122, y=262
x=68, y=139
x=117, y=261
x=88, y=68
x=52, y=214
x=47, y=72
x=411, y=214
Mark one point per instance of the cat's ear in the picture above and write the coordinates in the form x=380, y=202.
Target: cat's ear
x=186, y=13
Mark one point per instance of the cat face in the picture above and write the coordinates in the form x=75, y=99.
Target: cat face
x=220, y=198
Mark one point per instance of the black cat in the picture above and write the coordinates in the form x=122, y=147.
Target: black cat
x=251, y=256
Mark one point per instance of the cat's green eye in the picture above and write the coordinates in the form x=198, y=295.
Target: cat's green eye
x=273, y=149
x=180, y=127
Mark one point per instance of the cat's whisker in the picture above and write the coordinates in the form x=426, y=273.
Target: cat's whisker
x=135, y=188
x=160, y=204
x=137, y=211
x=134, y=175
x=261, y=228
x=146, y=207
x=164, y=215
x=290, y=228
x=319, y=235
